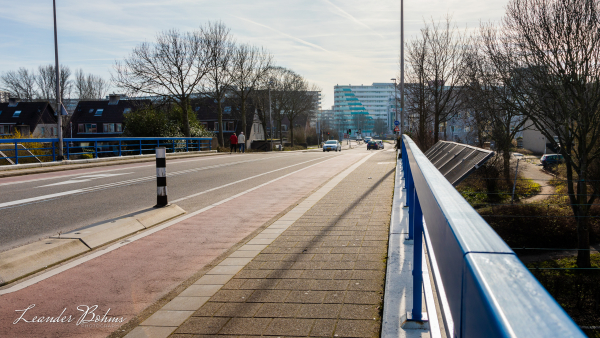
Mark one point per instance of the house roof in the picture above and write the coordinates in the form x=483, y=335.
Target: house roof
x=101, y=111
x=31, y=113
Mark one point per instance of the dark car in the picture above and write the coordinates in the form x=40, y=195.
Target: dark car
x=551, y=159
x=372, y=145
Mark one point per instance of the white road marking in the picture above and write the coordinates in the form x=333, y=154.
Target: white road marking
x=174, y=161
x=149, y=232
x=45, y=198
x=86, y=178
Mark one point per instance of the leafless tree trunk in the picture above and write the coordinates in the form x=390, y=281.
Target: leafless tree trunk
x=248, y=67
x=220, y=51
x=171, y=67
x=46, y=82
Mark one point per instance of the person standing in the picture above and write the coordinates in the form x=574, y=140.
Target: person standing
x=233, y=141
x=242, y=142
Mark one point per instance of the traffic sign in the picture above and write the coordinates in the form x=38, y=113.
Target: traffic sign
x=396, y=123
x=396, y=129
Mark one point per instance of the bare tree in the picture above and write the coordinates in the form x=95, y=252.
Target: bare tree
x=417, y=96
x=46, y=82
x=20, y=83
x=444, y=52
x=171, y=67
x=220, y=52
x=486, y=94
x=547, y=53
x=89, y=87
x=299, y=99
x=249, y=66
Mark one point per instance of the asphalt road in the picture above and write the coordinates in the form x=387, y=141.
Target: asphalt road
x=37, y=206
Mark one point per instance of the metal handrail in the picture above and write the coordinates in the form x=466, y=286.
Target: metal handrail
x=106, y=146
x=489, y=292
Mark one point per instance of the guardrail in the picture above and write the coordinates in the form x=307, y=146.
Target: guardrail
x=10, y=149
x=488, y=291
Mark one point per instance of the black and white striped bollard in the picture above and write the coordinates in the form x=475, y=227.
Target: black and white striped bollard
x=161, y=177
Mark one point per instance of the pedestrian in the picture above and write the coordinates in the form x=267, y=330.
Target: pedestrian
x=233, y=140
x=242, y=142
x=399, y=146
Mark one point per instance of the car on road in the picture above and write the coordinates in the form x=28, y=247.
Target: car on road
x=372, y=145
x=332, y=145
x=367, y=139
x=380, y=143
x=551, y=159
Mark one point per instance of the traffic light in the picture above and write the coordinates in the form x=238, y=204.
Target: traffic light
x=349, y=131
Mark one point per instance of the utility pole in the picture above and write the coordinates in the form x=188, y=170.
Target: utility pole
x=271, y=115
x=58, y=101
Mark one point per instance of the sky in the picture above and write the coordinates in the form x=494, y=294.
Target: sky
x=328, y=42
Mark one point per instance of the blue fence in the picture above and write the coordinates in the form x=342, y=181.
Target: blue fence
x=489, y=292
x=15, y=150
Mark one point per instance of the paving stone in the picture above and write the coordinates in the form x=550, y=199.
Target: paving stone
x=237, y=310
x=167, y=318
x=246, y=326
x=202, y=325
x=208, y=309
x=275, y=310
x=323, y=328
x=356, y=328
x=289, y=327
x=306, y=297
x=231, y=295
x=319, y=311
x=268, y=296
x=351, y=311
x=362, y=297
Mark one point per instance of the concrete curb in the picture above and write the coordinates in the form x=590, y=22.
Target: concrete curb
x=38, y=168
x=31, y=258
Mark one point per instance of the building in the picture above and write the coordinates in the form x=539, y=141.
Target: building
x=35, y=119
x=372, y=109
x=101, y=118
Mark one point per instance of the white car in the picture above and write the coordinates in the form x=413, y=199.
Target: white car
x=332, y=145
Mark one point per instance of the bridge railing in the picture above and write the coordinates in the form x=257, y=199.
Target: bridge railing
x=488, y=291
x=14, y=151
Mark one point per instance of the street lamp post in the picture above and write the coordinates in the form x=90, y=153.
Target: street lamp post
x=58, y=103
x=401, y=67
x=270, y=115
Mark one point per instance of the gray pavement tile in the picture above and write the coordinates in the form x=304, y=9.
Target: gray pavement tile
x=151, y=332
x=320, y=311
x=318, y=274
x=234, y=284
x=289, y=327
x=333, y=285
x=268, y=296
x=254, y=273
x=237, y=310
x=259, y=284
x=334, y=297
x=352, y=311
x=278, y=310
x=295, y=284
x=167, y=318
x=285, y=274
x=368, y=274
x=254, y=265
x=363, y=297
x=307, y=297
x=357, y=328
x=327, y=257
x=323, y=328
x=202, y=325
x=310, y=265
x=246, y=326
x=342, y=274
x=272, y=265
x=180, y=303
x=270, y=257
x=366, y=285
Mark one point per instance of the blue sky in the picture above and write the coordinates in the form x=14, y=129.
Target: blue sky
x=329, y=42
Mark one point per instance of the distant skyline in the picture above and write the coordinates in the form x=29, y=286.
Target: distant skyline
x=328, y=42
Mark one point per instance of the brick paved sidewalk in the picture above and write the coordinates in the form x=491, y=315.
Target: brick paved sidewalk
x=323, y=276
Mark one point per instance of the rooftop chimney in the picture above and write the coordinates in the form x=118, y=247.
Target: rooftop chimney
x=113, y=99
x=13, y=101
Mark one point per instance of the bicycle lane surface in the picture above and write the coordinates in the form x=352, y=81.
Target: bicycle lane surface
x=127, y=280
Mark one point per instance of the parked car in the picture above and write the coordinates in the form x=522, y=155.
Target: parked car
x=332, y=145
x=551, y=159
x=372, y=145
x=380, y=143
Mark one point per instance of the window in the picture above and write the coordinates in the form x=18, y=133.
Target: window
x=80, y=128
x=205, y=124
x=216, y=126
x=109, y=127
x=91, y=110
x=17, y=113
x=99, y=112
x=127, y=110
x=0, y=112
x=43, y=131
x=230, y=126
x=118, y=127
x=90, y=127
x=227, y=110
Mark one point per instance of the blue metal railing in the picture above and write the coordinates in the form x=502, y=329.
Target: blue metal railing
x=489, y=292
x=99, y=147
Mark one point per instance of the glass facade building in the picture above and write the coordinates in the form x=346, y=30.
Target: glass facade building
x=368, y=108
